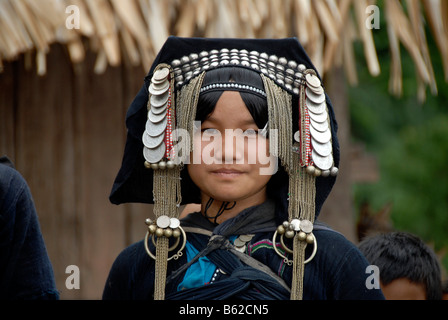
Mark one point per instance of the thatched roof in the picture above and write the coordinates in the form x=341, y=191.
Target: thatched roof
x=135, y=29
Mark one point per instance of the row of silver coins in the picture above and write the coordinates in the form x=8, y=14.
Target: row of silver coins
x=320, y=130
x=154, y=134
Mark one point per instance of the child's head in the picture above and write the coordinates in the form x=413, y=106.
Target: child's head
x=409, y=269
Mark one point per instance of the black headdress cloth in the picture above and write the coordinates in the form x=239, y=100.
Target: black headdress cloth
x=134, y=182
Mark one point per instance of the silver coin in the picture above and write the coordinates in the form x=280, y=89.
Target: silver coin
x=174, y=223
x=297, y=136
x=323, y=149
x=322, y=137
x=316, y=107
x=156, y=129
x=246, y=237
x=156, y=118
x=163, y=222
x=160, y=85
x=158, y=82
x=158, y=110
x=239, y=243
x=318, y=117
x=323, y=163
x=159, y=100
x=313, y=80
x=161, y=74
x=319, y=126
x=154, y=155
x=317, y=99
x=158, y=90
x=319, y=90
x=152, y=142
x=241, y=249
x=306, y=226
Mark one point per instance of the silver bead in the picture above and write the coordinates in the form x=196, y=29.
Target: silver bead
x=162, y=165
x=184, y=60
x=159, y=232
x=334, y=171
x=292, y=64
x=273, y=58
x=175, y=63
x=176, y=233
x=152, y=228
x=281, y=229
x=154, y=166
x=168, y=232
x=301, y=235
x=170, y=164
x=310, y=170
x=309, y=239
x=290, y=234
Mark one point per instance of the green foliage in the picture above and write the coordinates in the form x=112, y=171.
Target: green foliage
x=411, y=142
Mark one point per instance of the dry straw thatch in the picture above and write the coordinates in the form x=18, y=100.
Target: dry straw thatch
x=134, y=30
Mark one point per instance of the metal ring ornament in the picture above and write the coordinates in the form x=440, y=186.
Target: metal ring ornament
x=175, y=256
x=285, y=259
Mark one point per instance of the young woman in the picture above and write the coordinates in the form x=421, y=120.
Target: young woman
x=243, y=128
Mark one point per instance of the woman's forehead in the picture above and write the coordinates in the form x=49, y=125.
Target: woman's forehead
x=231, y=109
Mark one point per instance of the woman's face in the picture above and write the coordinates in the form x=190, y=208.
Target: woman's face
x=234, y=158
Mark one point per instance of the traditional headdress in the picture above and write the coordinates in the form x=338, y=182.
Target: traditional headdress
x=299, y=111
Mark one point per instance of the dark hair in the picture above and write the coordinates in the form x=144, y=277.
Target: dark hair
x=403, y=255
x=257, y=106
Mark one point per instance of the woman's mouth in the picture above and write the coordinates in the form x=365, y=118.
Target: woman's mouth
x=227, y=173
